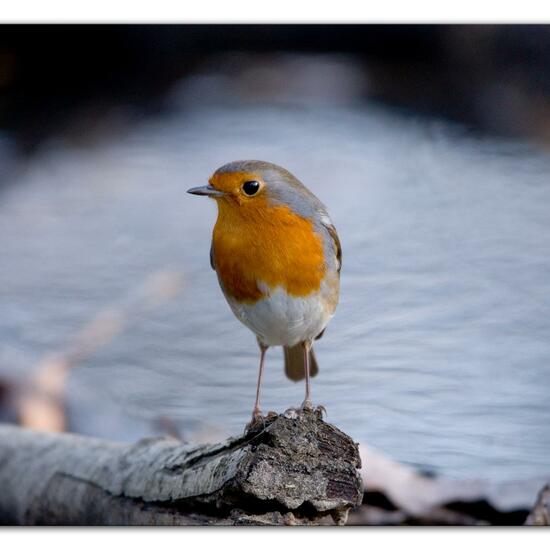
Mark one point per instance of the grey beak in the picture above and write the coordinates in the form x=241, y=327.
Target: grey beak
x=206, y=190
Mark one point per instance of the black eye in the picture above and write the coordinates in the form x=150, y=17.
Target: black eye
x=251, y=187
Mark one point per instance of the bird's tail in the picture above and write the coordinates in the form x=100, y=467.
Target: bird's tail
x=294, y=363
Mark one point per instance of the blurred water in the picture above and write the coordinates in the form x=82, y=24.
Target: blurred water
x=439, y=350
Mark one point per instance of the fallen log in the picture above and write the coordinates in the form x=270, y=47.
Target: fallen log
x=295, y=469
x=540, y=514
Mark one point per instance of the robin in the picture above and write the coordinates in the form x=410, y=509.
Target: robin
x=277, y=257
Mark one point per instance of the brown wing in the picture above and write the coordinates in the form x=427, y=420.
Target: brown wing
x=332, y=232
x=212, y=265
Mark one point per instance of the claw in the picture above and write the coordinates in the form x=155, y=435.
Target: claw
x=256, y=422
x=320, y=411
x=307, y=405
x=292, y=413
x=295, y=412
x=259, y=422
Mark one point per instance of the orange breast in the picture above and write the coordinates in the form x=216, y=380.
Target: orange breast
x=269, y=244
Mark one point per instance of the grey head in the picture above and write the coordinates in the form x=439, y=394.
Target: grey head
x=281, y=187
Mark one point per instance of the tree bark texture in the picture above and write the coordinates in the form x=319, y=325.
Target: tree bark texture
x=294, y=469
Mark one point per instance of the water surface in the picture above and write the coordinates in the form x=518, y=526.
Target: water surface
x=439, y=353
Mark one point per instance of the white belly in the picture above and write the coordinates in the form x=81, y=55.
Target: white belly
x=283, y=320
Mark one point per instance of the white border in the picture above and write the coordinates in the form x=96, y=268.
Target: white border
x=262, y=538
x=274, y=11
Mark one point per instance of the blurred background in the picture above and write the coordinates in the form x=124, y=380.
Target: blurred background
x=430, y=147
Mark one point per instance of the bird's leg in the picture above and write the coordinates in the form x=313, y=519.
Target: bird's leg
x=307, y=404
x=256, y=412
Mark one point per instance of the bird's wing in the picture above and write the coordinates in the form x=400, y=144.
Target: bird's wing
x=212, y=265
x=338, y=248
x=332, y=232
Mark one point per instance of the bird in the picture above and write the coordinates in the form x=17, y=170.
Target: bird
x=277, y=256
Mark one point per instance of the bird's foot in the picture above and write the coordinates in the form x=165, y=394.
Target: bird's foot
x=259, y=421
x=292, y=413
x=320, y=411
x=306, y=407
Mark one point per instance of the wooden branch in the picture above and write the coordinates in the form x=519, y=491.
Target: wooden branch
x=295, y=470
